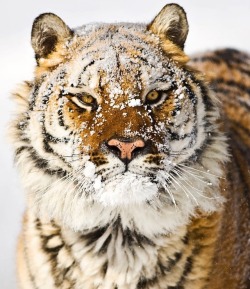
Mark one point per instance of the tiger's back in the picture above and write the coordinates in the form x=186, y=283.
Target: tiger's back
x=228, y=73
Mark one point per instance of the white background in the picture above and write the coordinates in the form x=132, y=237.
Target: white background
x=213, y=24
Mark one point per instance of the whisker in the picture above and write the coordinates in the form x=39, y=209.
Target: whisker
x=182, y=175
x=167, y=188
x=201, y=171
x=197, y=177
x=75, y=160
x=80, y=154
x=174, y=179
x=187, y=192
x=199, y=192
x=177, y=153
x=66, y=178
x=171, y=195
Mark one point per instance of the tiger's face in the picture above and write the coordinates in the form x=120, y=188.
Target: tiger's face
x=126, y=112
x=118, y=127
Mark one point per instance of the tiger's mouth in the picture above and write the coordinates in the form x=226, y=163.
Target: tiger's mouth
x=124, y=167
x=140, y=166
x=121, y=185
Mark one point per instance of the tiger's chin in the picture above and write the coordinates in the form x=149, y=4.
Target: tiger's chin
x=125, y=189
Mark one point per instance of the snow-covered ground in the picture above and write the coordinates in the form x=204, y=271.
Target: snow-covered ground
x=213, y=24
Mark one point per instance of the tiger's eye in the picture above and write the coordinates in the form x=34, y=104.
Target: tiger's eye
x=153, y=96
x=87, y=99
x=84, y=100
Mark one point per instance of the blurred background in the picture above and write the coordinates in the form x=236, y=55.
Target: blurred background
x=213, y=24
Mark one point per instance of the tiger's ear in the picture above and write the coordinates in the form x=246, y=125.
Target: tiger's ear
x=171, y=23
x=48, y=30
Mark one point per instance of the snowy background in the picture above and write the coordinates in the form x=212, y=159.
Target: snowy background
x=213, y=24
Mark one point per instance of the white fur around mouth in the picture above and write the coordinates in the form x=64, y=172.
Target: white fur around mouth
x=125, y=189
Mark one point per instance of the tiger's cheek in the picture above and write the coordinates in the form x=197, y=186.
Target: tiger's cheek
x=75, y=117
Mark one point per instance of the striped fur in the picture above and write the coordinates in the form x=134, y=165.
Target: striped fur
x=175, y=216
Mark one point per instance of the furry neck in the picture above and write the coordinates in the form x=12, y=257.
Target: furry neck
x=114, y=257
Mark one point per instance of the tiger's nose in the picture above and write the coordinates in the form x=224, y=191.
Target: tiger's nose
x=125, y=147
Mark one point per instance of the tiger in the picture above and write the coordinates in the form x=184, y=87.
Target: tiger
x=134, y=158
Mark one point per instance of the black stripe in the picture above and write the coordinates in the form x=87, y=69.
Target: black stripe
x=171, y=263
x=42, y=164
x=133, y=238
x=118, y=64
x=197, y=155
x=146, y=283
x=233, y=64
x=93, y=236
x=209, y=105
x=205, y=58
x=104, y=268
x=34, y=96
x=38, y=161
x=26, y=260
x=105, y=245
x=52, y=251
x=187, y=269
x=134, y=39
x=232, y=83
x=229, y=91
x=176, y=136
x=92, y=62
x=143, y=59
x=238, y=125
x=23, y=138
x=44, y=98
x=19, y=150
x=21, y=134
x=241, y=175
x=236, y=140
x=191, y=94
x=52, y=254
x=185, y=239
x=61, y=75
x=49, y=138
x=231, y=56
x=61, y=118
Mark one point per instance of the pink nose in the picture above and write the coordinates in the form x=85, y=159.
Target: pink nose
x=126, y=148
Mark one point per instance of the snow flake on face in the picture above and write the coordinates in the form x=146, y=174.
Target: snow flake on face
x=134, y=102
x=128, y=132
x=89, y=170
x=181, y=96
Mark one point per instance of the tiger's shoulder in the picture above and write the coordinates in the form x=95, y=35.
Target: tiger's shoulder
x=228, y=74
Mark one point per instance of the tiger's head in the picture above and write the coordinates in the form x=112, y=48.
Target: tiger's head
x=116, y=125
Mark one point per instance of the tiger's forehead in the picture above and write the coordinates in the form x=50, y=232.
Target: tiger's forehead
x=117, y=63
x=120, y=59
